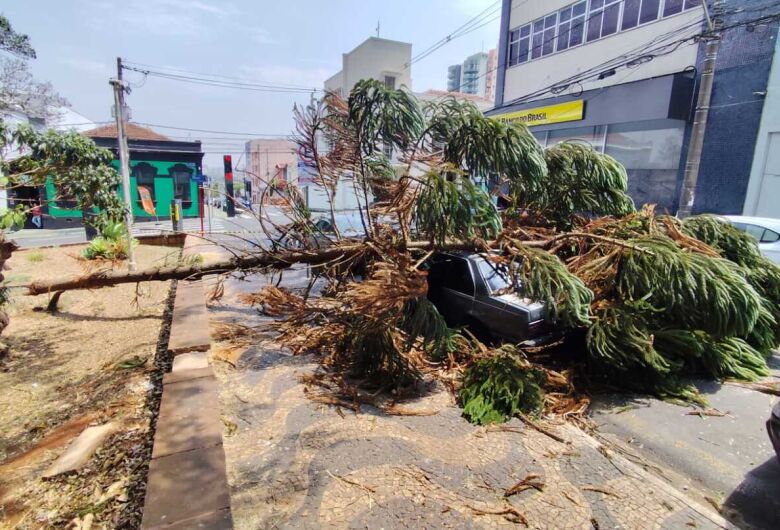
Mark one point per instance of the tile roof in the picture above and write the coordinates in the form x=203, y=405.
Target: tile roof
x=134, y=132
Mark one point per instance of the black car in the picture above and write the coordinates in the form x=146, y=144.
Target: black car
x=470, y=290
x=773, y=426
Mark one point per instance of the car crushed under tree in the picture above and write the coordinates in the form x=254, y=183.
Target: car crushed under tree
x=652, y=300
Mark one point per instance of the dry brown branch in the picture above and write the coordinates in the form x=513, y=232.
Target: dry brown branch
x=708, y=412
x=601, y=489
x=529, y=482
x=767, y=387
x=533, y=424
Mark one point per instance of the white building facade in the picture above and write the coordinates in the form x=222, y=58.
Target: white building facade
x=385, y=60
x=623, y=76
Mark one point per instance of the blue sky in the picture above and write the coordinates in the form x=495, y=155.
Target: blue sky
x=293, y=41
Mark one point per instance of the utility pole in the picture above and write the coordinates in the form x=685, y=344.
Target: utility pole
x=124, y=157
x=696, y=143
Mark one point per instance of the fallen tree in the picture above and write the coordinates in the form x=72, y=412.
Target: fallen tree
x=648, y=300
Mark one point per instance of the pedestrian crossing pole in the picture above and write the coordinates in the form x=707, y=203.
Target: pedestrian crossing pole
x=124, y=157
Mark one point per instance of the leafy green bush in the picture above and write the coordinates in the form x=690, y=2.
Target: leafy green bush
x=111, y=244
x=501, y=386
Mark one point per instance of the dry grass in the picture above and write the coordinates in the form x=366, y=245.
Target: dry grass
x=93, y=357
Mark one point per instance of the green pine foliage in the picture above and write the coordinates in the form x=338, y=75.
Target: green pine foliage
x=368, y=350
x=544, y=277
x=381, y=114
x=762, y=274
x=455, y=208
x=696, y=290
x=484, y=146
x=581, y=181
x=501, y=386
x=421, y=320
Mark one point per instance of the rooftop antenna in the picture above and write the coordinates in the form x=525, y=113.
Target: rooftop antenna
x=377, y=28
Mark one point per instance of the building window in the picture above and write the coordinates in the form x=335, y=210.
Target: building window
x=571, y=22
x=593, y=136
x=519, y=45
x=390, y=82
x=566, y=28
x=144, y=174
x=650, y=151
x=603, y=18
x=637, y=12
x=543, y=40
x=181, y=176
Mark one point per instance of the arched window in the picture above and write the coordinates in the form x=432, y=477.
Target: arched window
x=182, y=175
x=144, y=174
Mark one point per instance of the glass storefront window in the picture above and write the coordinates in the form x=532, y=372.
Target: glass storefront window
x=594, y=136
x=651, y=152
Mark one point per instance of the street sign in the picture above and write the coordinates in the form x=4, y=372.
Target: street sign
x=200, y=179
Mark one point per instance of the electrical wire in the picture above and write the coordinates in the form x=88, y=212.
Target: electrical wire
x=627, y=60
x=215, y=76
x=255, y=87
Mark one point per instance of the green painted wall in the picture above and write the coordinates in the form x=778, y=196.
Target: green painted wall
x=163, y=192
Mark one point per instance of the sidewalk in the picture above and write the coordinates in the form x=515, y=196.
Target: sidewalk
x=294, y=463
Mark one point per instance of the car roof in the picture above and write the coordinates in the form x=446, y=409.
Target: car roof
x=766, y=222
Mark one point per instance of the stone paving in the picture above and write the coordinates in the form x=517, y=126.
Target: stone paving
x=294, y=463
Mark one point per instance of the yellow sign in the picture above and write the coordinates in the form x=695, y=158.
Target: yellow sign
x=569, y=111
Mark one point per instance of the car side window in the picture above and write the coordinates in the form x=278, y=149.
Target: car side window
x=457, y=277
x=754, y=230
x=770, y=236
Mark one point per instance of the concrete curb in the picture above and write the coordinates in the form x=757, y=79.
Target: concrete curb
x=187, y=484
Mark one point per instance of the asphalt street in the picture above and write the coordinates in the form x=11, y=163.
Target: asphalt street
x=730, y=457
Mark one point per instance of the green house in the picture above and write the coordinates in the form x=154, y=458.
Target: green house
x=163, y=167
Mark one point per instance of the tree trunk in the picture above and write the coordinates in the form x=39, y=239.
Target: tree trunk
x=7, y=248
x=277, y=260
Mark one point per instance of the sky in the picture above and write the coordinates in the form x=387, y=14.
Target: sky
x=296, y=42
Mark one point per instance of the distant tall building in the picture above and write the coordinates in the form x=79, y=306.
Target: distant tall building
x=267, y=160
x=471, y=77
x=490, y=77
x=381, y=59
x=453, y=78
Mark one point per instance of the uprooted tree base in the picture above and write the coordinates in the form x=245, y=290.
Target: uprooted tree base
x=654, y=300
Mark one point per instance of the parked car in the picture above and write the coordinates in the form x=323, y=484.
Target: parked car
x=470, y=290
x=349, y=224
x=765, y=230
x=773, y=426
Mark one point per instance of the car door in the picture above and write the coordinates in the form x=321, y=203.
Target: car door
x=492, y=311
x=452, y=289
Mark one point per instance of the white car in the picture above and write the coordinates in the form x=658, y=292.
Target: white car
x=765, y=230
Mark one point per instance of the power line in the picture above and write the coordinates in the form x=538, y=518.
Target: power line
x=212, y=131
x=191, y=79
x=477, y=21
x=216, y=76
x=642, y=53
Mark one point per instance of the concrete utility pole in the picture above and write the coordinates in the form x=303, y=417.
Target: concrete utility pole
x=696, y=143
x=124, y=157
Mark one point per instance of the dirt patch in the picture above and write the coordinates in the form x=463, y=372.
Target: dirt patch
x=94, y=360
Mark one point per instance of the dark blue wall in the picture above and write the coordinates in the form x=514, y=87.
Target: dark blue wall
x=742, y=69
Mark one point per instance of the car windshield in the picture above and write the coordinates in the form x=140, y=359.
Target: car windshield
x=496, y=276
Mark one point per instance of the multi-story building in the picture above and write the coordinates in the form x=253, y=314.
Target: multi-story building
x=490, y=76
x=453, y=77
x=624, y=76
x=470, y=77
x=267, y=160
x=385, y=60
